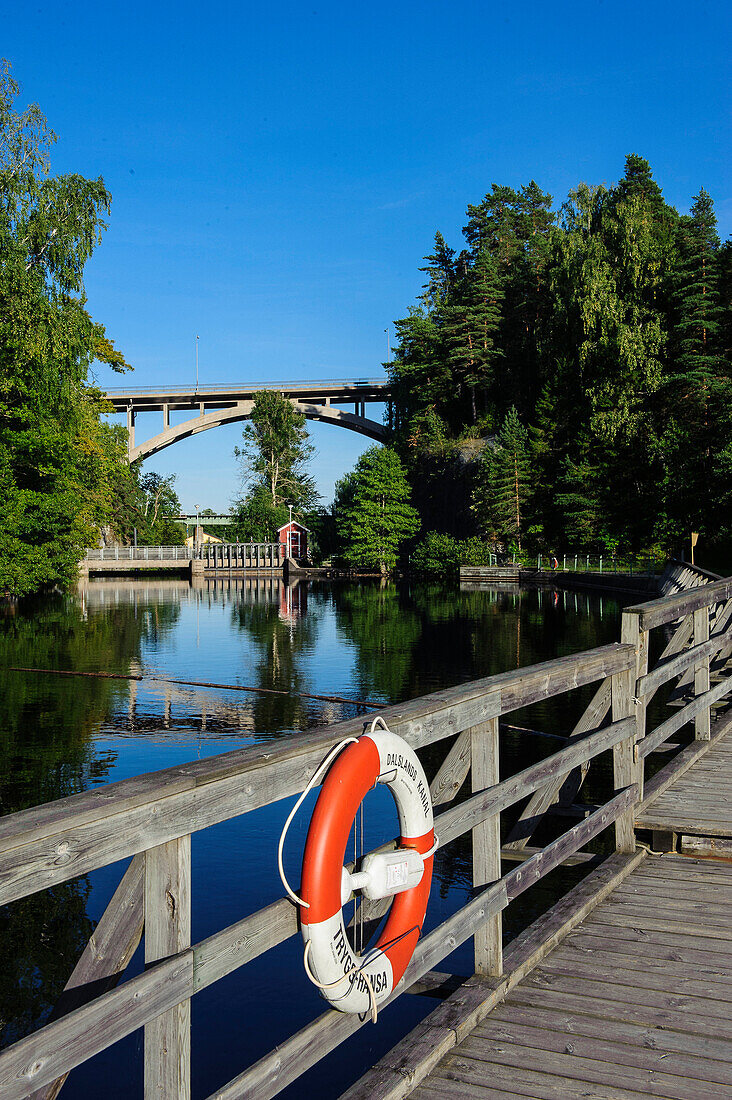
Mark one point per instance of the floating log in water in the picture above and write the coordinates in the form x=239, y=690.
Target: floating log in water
x=67, y=672
x=268, y=691
x=199, y=683
x=257, y=690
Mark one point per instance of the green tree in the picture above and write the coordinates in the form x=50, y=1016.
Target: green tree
x=373, y=512
x=255, y=518
x=697, y=396
x=56, y=459
x=469, y=323
x=506, y=482
x=276, y=451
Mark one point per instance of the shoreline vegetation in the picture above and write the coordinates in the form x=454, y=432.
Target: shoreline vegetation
x=564, y=380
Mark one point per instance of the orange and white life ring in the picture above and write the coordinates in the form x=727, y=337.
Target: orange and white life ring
x=350, y=982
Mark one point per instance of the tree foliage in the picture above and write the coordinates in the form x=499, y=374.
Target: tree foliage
x=606, y=338
x=505, y=483
x=373, y=511
x=274, y=465
x=58, y=461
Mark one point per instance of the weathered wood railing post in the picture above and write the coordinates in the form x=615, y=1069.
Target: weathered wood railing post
x=168, y=931
x=484, y=759
x=632, y=634
x=703, y=720
x=626, y=764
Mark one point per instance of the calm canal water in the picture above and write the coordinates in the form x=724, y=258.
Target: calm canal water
x=381, y=643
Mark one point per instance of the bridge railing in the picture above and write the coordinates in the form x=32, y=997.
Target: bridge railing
x=241, y=555
x=252, y=387
x=149, y=821
x=142, y=553
x=696, y=625
x=235, y=555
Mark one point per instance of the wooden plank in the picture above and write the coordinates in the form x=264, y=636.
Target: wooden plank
x=408, y=1063
x=672, y=1018
x=677, y=893
x=633, y=1034
x=487, y=846
x=527, y=1030
x=702, y=721
x=57, y=1048
x=668, y=944
x=102, y=963
x=714, y=910
x=664, y=949
x=665, y=610
x=717, y=847
x=452, y=823
x=626, y=770
x=686, y=714
x=461, y=1071
x=540, y=802
x=707, y=929
x=588, y=1070
x=606, y=970
x=666, y=670
x=168, y=933
x=453, y=771
x=535, y=1086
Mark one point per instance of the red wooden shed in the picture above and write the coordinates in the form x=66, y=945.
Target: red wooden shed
x=293, y=540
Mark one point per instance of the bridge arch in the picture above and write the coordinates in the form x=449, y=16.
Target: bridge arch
x=327, y=414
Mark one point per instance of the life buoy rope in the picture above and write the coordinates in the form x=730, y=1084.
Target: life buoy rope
x=350, y=982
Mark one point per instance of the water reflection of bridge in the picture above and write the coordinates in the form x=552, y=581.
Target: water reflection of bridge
x=155, y=702
x=136, y=591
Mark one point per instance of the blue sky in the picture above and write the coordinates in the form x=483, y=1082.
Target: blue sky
x=278, y=171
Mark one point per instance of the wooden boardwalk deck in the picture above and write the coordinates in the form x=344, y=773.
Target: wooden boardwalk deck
x=697, y=806
x=622, y=989
x=635, y=1002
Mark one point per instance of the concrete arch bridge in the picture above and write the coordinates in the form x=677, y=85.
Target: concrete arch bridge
x=213, y=406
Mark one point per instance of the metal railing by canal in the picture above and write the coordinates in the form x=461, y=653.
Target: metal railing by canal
x=149, y=820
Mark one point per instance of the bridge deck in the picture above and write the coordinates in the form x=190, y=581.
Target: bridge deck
x=636, y=1002
x=699, y=802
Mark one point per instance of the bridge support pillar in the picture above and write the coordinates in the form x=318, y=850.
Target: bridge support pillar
x=166, y=416
x=130, y=429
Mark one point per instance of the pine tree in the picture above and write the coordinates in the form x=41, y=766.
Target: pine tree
x=440, y=268
x=505, y=483
x=696, y=292
x=469, y=325
x=698, y=391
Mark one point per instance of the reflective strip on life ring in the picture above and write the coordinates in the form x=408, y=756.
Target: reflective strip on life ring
x=380, y=756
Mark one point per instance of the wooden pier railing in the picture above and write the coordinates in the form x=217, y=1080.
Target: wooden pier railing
x=149, y=820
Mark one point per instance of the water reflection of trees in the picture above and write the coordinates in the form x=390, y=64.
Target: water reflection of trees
x=411, y=641
x=281, y=640
x=46, y=753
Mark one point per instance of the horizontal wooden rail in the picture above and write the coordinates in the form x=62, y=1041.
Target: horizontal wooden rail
x=652, y=740
x=666, y=670
x=55, y=1049
x=292, y=1058
x=669, y=608
x=49, y=844
x=452, y=823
